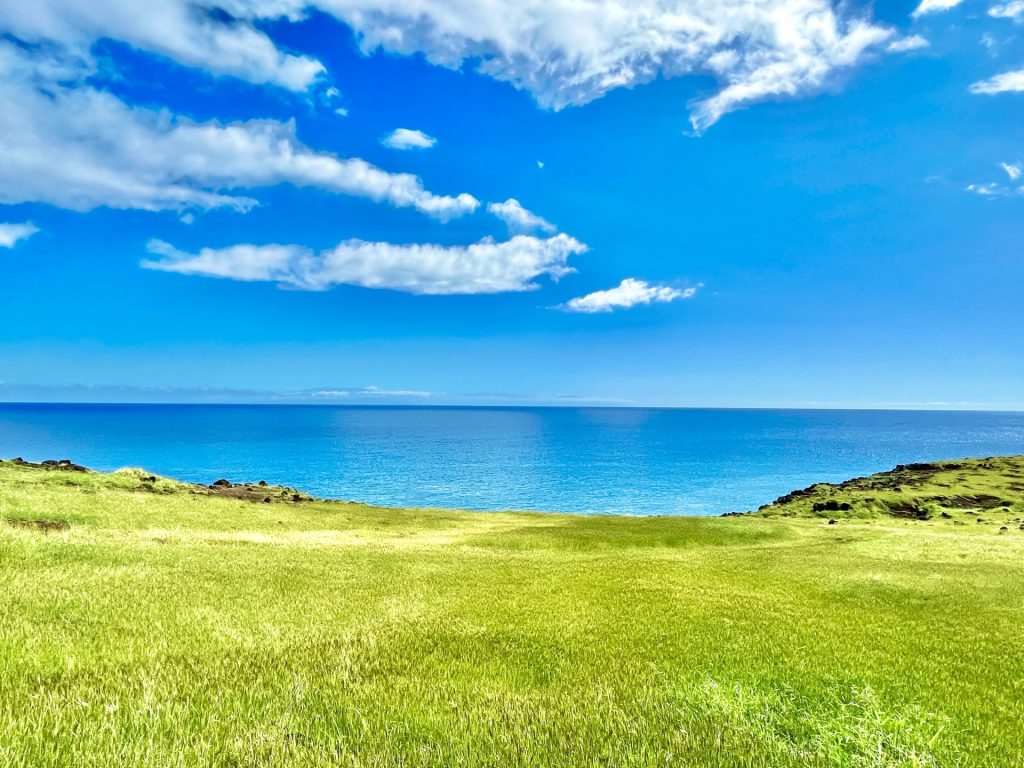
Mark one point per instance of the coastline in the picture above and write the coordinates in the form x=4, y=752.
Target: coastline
x=992, y=485
x=573, y=460
x=150, y=622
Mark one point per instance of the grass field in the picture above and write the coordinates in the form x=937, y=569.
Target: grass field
x=150, y=623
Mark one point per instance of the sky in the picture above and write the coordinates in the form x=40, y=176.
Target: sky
x=747, y=203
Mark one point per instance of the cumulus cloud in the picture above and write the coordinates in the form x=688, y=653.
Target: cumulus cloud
x=219, y=36
x=564, y=52
x=629, y=293
x=12, y=234
x=1013, y=10
x=519, y=219
x=1012, y=170
x=1007, y=82
x=934, y=6
x=484, y=267
x=904, y=44
x=81, y=148
x=406, y=138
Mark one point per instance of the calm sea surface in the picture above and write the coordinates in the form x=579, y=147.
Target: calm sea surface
x=636, y=461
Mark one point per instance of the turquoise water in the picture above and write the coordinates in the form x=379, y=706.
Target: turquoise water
x=636, y=461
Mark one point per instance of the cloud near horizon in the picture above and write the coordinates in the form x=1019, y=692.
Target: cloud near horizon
x=367, y=392
x=12, y=234
x=629, y=293
x=484, y=267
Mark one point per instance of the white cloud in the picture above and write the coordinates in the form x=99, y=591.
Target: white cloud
x=12, y=234
x=1007, y=82
x=564, y=52
x=995, y=189
x=195, y=33
x=81, y=148
x=406, y=138
x=567, y=52
x=629, y=293
x=904, y=44
x=484, y=267
x=1013, y=10
x=992, y=189
x=519, y=219
x=370, y=392
x=933, y=6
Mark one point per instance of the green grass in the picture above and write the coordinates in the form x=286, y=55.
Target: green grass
x=156, y=624
x=971, y=490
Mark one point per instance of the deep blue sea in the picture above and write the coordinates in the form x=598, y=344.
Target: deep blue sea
x=628, y=460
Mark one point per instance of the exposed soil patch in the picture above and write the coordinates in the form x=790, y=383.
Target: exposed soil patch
x=46, y=526
x=909, y=511
x=979, y=501
x=257, y=492
x=63, y=465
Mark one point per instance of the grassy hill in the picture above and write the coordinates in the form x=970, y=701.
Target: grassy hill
x=972, y=490
x=145, y=622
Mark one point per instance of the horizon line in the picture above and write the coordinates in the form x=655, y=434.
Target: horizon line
x=884, y=407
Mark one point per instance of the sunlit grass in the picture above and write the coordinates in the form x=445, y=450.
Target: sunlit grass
x=166, y=627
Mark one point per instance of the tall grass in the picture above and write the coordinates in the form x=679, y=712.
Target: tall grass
x=165, y=627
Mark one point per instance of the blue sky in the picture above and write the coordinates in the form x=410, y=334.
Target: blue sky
x=747, y=203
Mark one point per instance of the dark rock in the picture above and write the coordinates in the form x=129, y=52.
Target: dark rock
x=831, y=522
x=832, y=506
x=222, y=483
x=61, y=464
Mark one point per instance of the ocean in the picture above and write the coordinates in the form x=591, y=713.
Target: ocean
x=638, y=461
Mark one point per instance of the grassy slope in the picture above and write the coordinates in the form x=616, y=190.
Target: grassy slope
x=166, y=627
x=972, y=490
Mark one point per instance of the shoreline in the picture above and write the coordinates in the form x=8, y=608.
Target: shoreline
x=908, y=491
x=153, y=622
